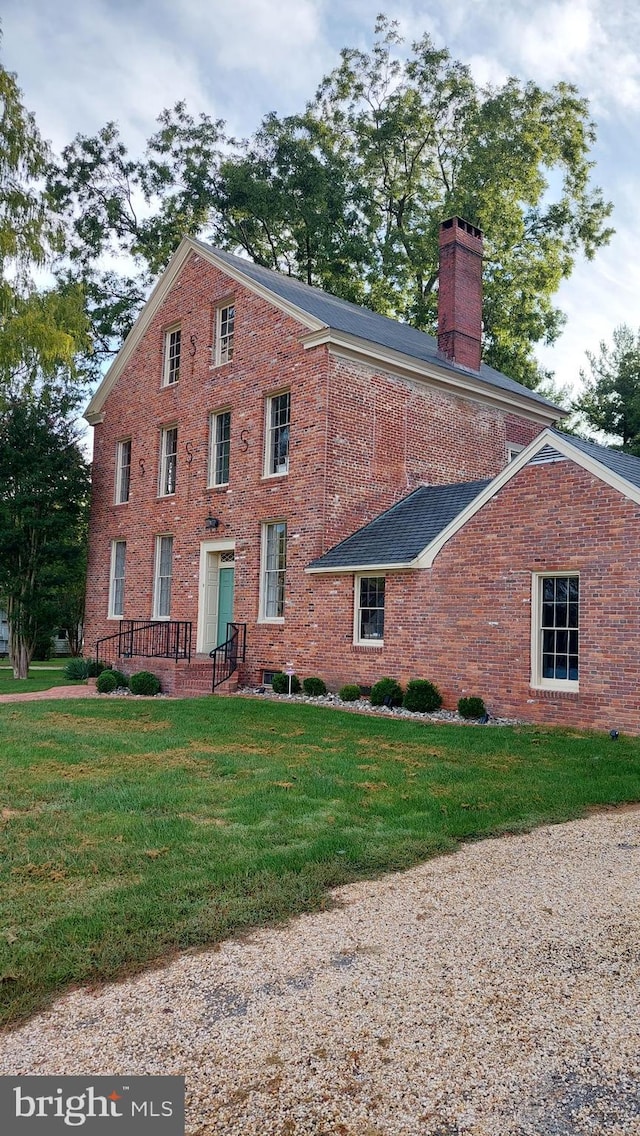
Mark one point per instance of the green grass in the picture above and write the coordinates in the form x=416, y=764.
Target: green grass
x=131, y=830
x=42, y=676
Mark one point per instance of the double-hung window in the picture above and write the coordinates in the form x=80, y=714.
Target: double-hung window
x=555, y=630
x=274, y=570
x=162, y=580
x=172, y=344
x=123, y=471
x=278, y=418
x=223, y=334
x=369, y=610
x=116, y=583
x=219, y=447
x=168, y=461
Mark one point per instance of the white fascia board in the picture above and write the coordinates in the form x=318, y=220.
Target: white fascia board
x=546, y=438
x=188, y=245
x=466, y=386
x=360, y=568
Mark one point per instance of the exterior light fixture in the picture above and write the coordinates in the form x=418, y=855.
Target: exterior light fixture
x=211, y=523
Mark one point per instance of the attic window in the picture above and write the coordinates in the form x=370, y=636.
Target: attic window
x=171, y=372
x=224, y=330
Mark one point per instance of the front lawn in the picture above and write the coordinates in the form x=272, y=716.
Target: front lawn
x=42, y=676
x=131, y=829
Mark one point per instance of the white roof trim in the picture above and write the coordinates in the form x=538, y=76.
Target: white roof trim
x=465, y=385
x=563, y=445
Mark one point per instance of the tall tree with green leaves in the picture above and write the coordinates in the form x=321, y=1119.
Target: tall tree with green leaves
x=41, y=330
x=349, y=194
x=610, y=401
x=43, y=515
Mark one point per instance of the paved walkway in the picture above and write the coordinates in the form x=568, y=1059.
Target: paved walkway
x=54, y=692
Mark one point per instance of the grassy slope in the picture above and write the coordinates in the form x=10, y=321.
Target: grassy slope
x=131, y=829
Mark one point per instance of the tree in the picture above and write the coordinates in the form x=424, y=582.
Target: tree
x=43, y=514
x=40, y=331
x=350, y=193
x=610, y=401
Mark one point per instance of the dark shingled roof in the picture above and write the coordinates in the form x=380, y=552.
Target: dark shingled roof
x=625, y=465
x=403, y=531
x=341, y=315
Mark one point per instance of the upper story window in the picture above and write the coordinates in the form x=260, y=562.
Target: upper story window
x=219, y=447
x=274, y=570
x=171, y=372
x=369, y=610
x=224, y=332
x=168, y=461
x=123, y=471
x=513, y=449
x=162, y=577
x=555, y=631
x=278, y=416
x=116, y=583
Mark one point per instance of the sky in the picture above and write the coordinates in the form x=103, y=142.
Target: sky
x=85, y=62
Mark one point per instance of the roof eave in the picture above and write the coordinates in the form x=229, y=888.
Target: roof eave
x=349, y=569
x=464, y=384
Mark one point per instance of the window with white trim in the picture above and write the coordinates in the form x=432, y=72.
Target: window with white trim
x=162, y=577
x=116, y=582
x=123, y=471
x=556, y=630
x=369, y=610
x=168, y=461
x=172, y=343
x=274, y=570
x=219, y=447
x=278, y=417
x=513, y=450
x=225, y=320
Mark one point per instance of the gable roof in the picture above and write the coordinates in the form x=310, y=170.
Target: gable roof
x=346, y=327
x=621, y=471
x=398, y=535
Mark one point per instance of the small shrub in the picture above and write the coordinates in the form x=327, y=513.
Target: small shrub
x=95, y=667
x=121, y=679
x=350, y=692
x=106, y=682
x=386, y=692
x=422, y=696
x=280, y=683
x=471, y=707
x=314, y=687
x=76, y=669
x=144, y=683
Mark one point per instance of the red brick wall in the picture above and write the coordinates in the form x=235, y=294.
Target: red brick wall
x=466, y=623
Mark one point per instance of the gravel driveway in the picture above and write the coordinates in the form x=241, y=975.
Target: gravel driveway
x=494, y=991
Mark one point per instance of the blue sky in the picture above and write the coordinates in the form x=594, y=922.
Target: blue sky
x=88, y=61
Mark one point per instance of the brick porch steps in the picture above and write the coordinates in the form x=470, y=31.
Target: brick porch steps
x=192, y=680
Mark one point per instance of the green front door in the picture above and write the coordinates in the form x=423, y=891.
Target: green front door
x=225, y=602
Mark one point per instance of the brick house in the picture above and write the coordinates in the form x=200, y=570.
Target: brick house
x=361, y=498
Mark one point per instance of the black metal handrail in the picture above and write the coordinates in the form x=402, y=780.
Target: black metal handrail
x=227, y=656
x=165, y=639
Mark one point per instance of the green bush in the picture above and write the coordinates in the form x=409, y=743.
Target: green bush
x=106, y=682
x=144, y=683
x=314, y=687
x=422, y=696
x=94, y=667
x=349, y=692
x=121, y=679
x=76, y=669
x=472, y=707
x=280, y=683
x=386, y=692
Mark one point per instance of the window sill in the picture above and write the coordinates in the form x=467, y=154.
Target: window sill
x=217, y=366
x=160, y=618
x=115, y=618
x=165, y=496
x=570, y=689
x=368, y=644
x=116, y=504
x=274, y=620
x=212, y=488
x=274, y=476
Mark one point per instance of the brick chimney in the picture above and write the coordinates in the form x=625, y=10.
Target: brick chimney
x=460, y=293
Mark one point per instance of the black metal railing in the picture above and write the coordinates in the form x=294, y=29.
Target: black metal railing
x=168, y=639
x=227, y=656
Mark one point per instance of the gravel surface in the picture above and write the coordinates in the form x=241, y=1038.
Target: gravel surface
x=494, y=991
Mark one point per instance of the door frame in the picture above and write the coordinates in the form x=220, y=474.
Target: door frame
x=207, y=546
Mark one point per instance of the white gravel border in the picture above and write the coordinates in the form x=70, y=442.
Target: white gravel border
x=492, y=992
